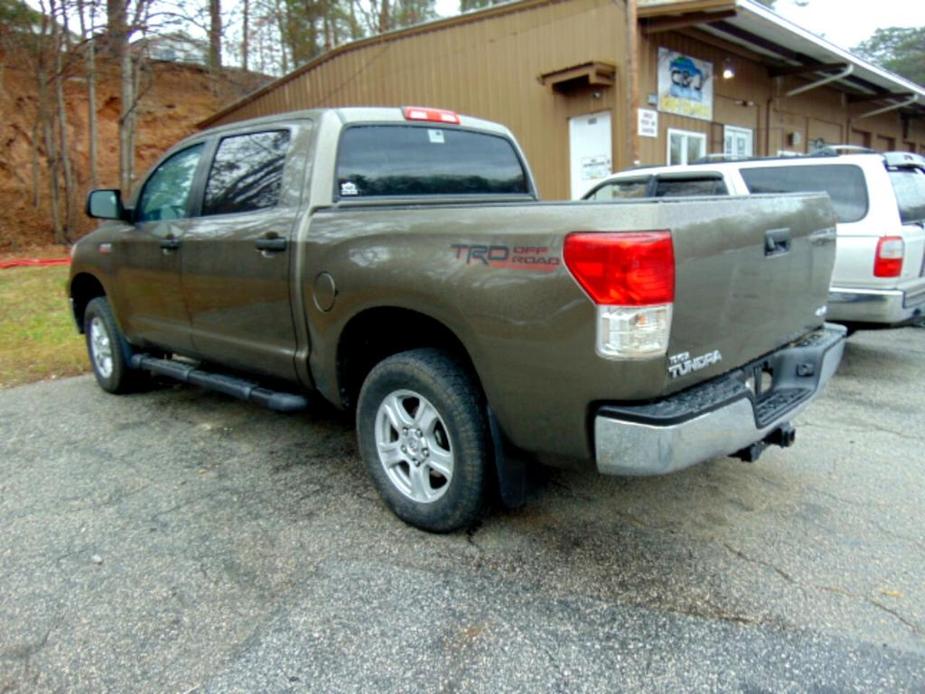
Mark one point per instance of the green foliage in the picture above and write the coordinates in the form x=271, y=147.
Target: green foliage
x=17, y=15
x=899, y=49
x=468, y=5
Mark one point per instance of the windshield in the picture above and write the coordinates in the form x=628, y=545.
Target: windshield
x=909, y=186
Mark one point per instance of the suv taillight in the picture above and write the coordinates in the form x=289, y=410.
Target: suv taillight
x=630, y=277
x=889, y=259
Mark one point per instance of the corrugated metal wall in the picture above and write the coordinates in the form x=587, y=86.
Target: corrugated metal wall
x=488, y=66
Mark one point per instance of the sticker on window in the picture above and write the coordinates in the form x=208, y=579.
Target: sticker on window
x=349, y=188
x=435, y=136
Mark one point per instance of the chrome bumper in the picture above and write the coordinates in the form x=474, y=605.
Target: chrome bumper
x=718, y=418
x=888, y=306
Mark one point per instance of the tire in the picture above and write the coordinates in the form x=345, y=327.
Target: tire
x=432, y=476
x=108, y=351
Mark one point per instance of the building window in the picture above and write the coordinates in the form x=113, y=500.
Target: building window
x=737, y=142
x=685, y=147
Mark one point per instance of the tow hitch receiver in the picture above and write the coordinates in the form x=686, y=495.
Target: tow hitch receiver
x=782, y=436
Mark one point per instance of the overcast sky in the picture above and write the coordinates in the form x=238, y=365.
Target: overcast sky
x=844, y=22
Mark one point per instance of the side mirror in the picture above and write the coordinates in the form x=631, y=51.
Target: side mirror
x=105, y=204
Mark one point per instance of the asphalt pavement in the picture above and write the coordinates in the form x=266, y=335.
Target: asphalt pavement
x=176, y=541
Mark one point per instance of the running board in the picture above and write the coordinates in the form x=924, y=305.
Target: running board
x=222, y=383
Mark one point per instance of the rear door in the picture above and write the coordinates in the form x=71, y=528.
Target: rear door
x=237, y=252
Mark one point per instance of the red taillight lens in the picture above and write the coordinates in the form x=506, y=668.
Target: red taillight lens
x=432, y=115
x=889, y=259
x=632, y=269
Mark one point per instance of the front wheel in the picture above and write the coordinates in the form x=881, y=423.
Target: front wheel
x=423, y=436
x=108, y=351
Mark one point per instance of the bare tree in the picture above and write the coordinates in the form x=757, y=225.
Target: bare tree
x=215, y=36
x=87, y=34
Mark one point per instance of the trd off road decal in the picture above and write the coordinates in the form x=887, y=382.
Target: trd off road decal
x=534, y=258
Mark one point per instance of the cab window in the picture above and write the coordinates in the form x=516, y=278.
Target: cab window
x=247, y=173
x=620, y=190
x=689, y=187
x=167, y=190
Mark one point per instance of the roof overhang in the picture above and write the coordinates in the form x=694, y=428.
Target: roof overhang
x=791, y=49
x=591, y=74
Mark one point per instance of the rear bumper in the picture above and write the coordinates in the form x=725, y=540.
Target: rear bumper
x=717, y=418
x=888, y=306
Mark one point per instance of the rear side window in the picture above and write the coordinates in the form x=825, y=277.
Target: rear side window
x=620, y=190
x=685, y=188
x=843, y=182
x=247, y=173
x=909, y=186
x=402, y=161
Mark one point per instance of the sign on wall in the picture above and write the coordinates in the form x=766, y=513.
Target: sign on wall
x=685, y=85
x=647, y=125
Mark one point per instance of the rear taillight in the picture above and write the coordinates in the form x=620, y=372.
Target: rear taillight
x=888, y=262
x=631, y=279
x=432, y=115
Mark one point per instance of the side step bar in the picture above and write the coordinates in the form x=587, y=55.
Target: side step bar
x=222, y=383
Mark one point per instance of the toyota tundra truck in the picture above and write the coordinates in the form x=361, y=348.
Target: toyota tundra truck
x=399, y=264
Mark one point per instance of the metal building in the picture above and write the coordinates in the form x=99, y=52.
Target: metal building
x=586, y=91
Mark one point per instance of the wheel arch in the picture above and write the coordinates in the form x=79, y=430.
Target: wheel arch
x=83, y=288
x=379, y=332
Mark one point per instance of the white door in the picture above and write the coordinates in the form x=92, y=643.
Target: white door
x=737, y=142
x=590, y=151
x=685, y=146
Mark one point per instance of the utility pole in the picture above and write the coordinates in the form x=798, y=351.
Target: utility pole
x=632, y=83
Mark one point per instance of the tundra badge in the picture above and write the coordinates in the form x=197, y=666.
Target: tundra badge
x=682, y=363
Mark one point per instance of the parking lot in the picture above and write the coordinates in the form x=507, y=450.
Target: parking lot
x=177, y=540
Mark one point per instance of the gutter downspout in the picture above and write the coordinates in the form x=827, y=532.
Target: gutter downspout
x=825, y=80
x=892, y=107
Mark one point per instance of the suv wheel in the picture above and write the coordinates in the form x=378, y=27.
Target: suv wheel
x=423, y=436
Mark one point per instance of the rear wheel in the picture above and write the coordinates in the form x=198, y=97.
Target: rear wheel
x=108, y=350
x=423, y=436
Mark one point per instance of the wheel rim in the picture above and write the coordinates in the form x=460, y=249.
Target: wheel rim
x=100, y=347
x=414, y=446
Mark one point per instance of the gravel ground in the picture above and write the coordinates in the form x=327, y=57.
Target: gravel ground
x=176, y=540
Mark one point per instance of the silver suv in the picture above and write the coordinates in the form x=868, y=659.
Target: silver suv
x=879, y=274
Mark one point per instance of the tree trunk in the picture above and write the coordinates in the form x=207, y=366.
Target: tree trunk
x=86, y=33
x=127, y=124
x=36, y=172
x=215, y=36
x=245, y=40
x=384, y=18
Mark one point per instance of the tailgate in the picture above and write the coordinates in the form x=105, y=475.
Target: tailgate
x=752, y=274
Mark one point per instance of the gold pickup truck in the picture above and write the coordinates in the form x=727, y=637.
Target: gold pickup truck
x=399, y=263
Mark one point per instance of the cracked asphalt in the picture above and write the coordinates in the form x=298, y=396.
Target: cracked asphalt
x=178, y=541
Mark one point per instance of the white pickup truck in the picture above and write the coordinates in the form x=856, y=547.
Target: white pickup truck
x=879, y=275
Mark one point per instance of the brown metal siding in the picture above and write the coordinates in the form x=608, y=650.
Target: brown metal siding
x=487, y=68
x=488, y=64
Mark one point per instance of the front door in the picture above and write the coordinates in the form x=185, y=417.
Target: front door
x=590, y=151
x=237, y=255
x=146, y=257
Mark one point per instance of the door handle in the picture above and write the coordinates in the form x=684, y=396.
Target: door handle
x=776, y=241
x=271, y=244
x=170, y=243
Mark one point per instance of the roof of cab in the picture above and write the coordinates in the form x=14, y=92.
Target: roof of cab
x=349, y=115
